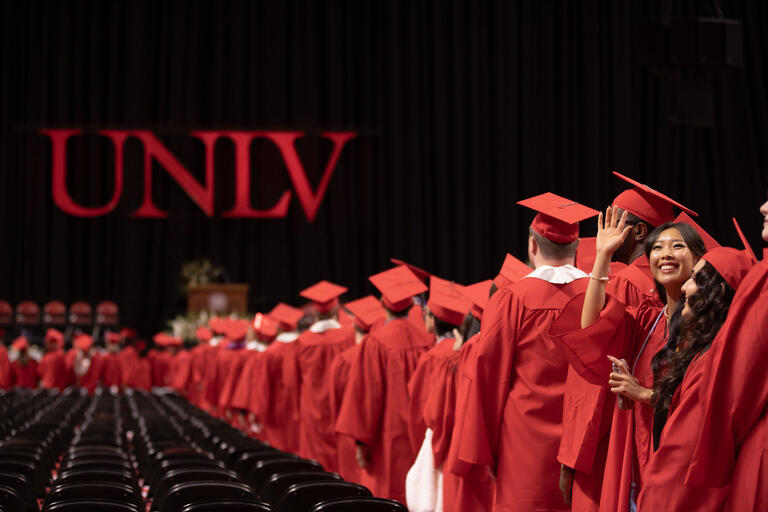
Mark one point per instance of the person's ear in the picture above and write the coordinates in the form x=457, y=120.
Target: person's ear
x=640, y=231
x=533, y=247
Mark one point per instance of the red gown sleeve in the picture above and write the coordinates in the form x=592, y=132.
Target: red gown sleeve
x=361, y=407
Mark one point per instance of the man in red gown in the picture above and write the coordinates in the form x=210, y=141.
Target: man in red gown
x=372, y=410
x=5, y=368
x=52, y=369
x=85, y=363
x=112, y=375
x=305, y=372
x=23, y=368
x=514, y=408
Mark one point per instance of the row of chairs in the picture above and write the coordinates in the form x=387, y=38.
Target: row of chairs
x=56, y=314
x=37, y=425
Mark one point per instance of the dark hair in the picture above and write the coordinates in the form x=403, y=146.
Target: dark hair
x=691, y=238
x=398, y=314
x=552, y=250
x=694, y=335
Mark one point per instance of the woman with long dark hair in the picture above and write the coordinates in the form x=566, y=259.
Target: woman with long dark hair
x=614, y=344
x=679, y=370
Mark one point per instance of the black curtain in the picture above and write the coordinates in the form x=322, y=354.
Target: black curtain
x=461, y=109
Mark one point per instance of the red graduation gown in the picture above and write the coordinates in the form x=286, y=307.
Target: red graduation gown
x=53, y=371
x=465, y=486
x=620, y=331
x=732, y=438
x=338, y=377
x=161, y=365
x=92, y=378
x=111, y=370
x=24, y=375
x=305, y=373
x=375, y=401
x=5, y=368
x=230, y=365
x=275, y=405
x=588, y=408
x=180, y=371
x=136, y=373
x=513, y=412
x=663, y=487
x=241, y=392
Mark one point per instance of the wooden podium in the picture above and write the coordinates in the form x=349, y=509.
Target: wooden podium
x=218, y=298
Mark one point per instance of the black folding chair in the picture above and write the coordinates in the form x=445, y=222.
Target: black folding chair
x=88, y=505
x=178, y=476
x=263, y=470
x=95, y=490
x=227, y=506
x=10, y=501
x=274, y=490
x=302, y=497
x=358, y=504
x=192, y=492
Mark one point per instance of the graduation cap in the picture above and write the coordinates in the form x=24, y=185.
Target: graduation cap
x=747, y=248
x=84, y=342
x=20, y=343
x=218, y=325
x=113, y=337
x=648, y=204
x=512, y=270
x=420, y=272
x=287, y=316
x=204, y=334
x=161, y=338
x=398, y=286
x=129, y=333
x=367, y=311
x=732, y=264
x=558, y=217
x=265, y=326
x=237, y=329
x=324, y=295
x=446, y=301
x=55, y=336
x=478, y=295
x=709, y=242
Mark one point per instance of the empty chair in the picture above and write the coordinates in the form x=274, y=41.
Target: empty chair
x=72, y=476
x=192, y=492
x=107, y=313
x=80, y=314
x=6, y=314
x=91, y=505
x=20, y=484
x=181, y=463
x=10, y=501
x=97, y=463
x=264, y=469
x=303, y=497
x=177, y=476
x=27, y=314
x=274, y=490
x=109, y=491
x=227, y=506
x=358, y=504
x=55, y=314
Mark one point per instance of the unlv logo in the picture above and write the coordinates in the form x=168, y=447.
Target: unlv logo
x=201, y=194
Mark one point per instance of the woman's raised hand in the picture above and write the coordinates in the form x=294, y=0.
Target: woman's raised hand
x=611, y=231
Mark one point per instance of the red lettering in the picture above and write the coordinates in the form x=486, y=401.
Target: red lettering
x=61, y=196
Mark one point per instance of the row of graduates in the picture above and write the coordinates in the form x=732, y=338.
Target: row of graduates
x=122, y=362
x=492, y=394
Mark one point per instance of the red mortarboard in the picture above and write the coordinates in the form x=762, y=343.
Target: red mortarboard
x=420, y=272
x=732, y=264
x=203, y=334
x=398, y=286
x=173, y=341
x=709, y=242
x=747, y=247
x=265, y=326
x=237, y=329
x=83, y=342
x=558, y=217
x=20, y=343
x=129, y=333
x=55, y=336
x=478, y=294
x=113, y=337
x=446, y=301
x=367, y=311
x=650, y=205
x=512, y=270
x=218, y=325
x=324, y=295
x=161, y=338
x=287, y=316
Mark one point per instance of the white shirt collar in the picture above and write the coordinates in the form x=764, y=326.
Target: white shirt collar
x=325, y=325
x=563, y=274
x=287, y=337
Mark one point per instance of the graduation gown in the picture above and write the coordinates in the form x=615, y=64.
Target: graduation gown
x=161, y=365
x=635, y=334
x=24, y=375
x=5, y=368
x=111, y=370
x=374, y=407
x=91, y=379
x=305, y=375
x=513, y=412
x=664, y=477
x=240, y=396
x=338, y=377
x=465, y=486
x=732, y=438
x=179, y=372
x=275, y=405
x=588, y=408
x=135, y=371
x=53, y=371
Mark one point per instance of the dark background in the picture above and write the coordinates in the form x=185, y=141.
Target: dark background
x=462, y=108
